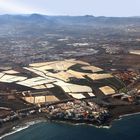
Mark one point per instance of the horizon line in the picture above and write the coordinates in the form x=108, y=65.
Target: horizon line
x=64, y=15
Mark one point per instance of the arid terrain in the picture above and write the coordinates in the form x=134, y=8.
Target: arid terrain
x=77, y=69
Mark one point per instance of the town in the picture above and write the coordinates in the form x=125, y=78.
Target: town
x=81, y=69
x=68, y=90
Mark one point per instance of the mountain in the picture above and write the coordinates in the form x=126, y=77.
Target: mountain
x=37, y=17
x=36, y=24
x=69, y=20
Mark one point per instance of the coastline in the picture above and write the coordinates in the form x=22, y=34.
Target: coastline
x=21, y=124
x=12, y=127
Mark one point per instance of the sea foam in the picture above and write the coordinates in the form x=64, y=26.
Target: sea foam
x=20, y=128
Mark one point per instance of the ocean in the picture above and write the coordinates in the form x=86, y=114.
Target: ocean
x=128, y=128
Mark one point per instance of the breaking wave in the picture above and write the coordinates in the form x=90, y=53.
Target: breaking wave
x=19, y=128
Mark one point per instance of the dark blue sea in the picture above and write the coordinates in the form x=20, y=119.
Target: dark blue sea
x=128, y=128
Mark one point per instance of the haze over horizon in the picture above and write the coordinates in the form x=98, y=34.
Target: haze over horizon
x=111, y=8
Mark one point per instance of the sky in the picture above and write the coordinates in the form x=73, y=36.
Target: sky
x=113, y=8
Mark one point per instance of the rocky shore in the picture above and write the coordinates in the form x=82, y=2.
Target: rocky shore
x=115, y=112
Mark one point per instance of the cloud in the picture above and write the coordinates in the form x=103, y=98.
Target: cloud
x=72, y=7
x=24, y=6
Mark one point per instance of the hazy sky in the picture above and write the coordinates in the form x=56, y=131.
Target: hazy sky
x=72, y=7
